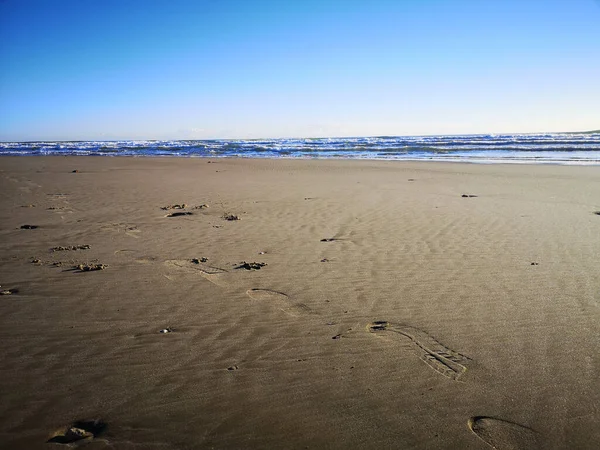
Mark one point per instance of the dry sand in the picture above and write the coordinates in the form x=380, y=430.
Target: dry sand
x=424, y=320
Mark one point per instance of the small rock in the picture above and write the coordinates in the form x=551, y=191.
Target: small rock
x=75, y=171
x=9, y=291
x=76, y=434
x=80, y=430
x=28, y=227
x=337, y=336
x=468, y=196
x=166, y=330
x=535, y=264
x=230, y=217
x=233, y=368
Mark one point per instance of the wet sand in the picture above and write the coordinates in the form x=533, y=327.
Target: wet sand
x=228, y=303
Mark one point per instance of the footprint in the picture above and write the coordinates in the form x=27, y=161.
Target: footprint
x=449, y=363
x=124, y=250
x=280, y=300
x=211, y=273
x=503, y=434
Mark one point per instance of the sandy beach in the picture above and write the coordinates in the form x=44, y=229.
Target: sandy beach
x=187, y=303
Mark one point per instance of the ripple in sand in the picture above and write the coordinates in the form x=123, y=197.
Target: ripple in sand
x=280, y=301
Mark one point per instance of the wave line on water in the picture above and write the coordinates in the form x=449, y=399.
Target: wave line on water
x=563, y=148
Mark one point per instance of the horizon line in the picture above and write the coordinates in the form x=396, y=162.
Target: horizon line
x=305, y=137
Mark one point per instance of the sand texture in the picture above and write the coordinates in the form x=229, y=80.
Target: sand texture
x=233, y=304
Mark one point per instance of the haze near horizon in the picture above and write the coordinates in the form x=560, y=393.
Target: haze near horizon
x=107, y=70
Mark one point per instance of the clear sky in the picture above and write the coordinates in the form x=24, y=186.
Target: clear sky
x=180, y=69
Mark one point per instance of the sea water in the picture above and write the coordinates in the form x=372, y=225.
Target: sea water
x=559, y=148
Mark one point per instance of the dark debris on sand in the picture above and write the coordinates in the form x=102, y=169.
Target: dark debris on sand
x=70, y=247
x=89, y=267
x=199, y=260
x=251, y=265
x=378, y=325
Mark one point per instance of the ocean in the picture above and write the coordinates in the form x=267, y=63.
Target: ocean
x=557, y=148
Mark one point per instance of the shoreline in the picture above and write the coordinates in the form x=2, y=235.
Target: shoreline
x=482, y=161
x=400, y=304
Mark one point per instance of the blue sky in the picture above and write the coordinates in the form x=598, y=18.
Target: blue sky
x=179, y=69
